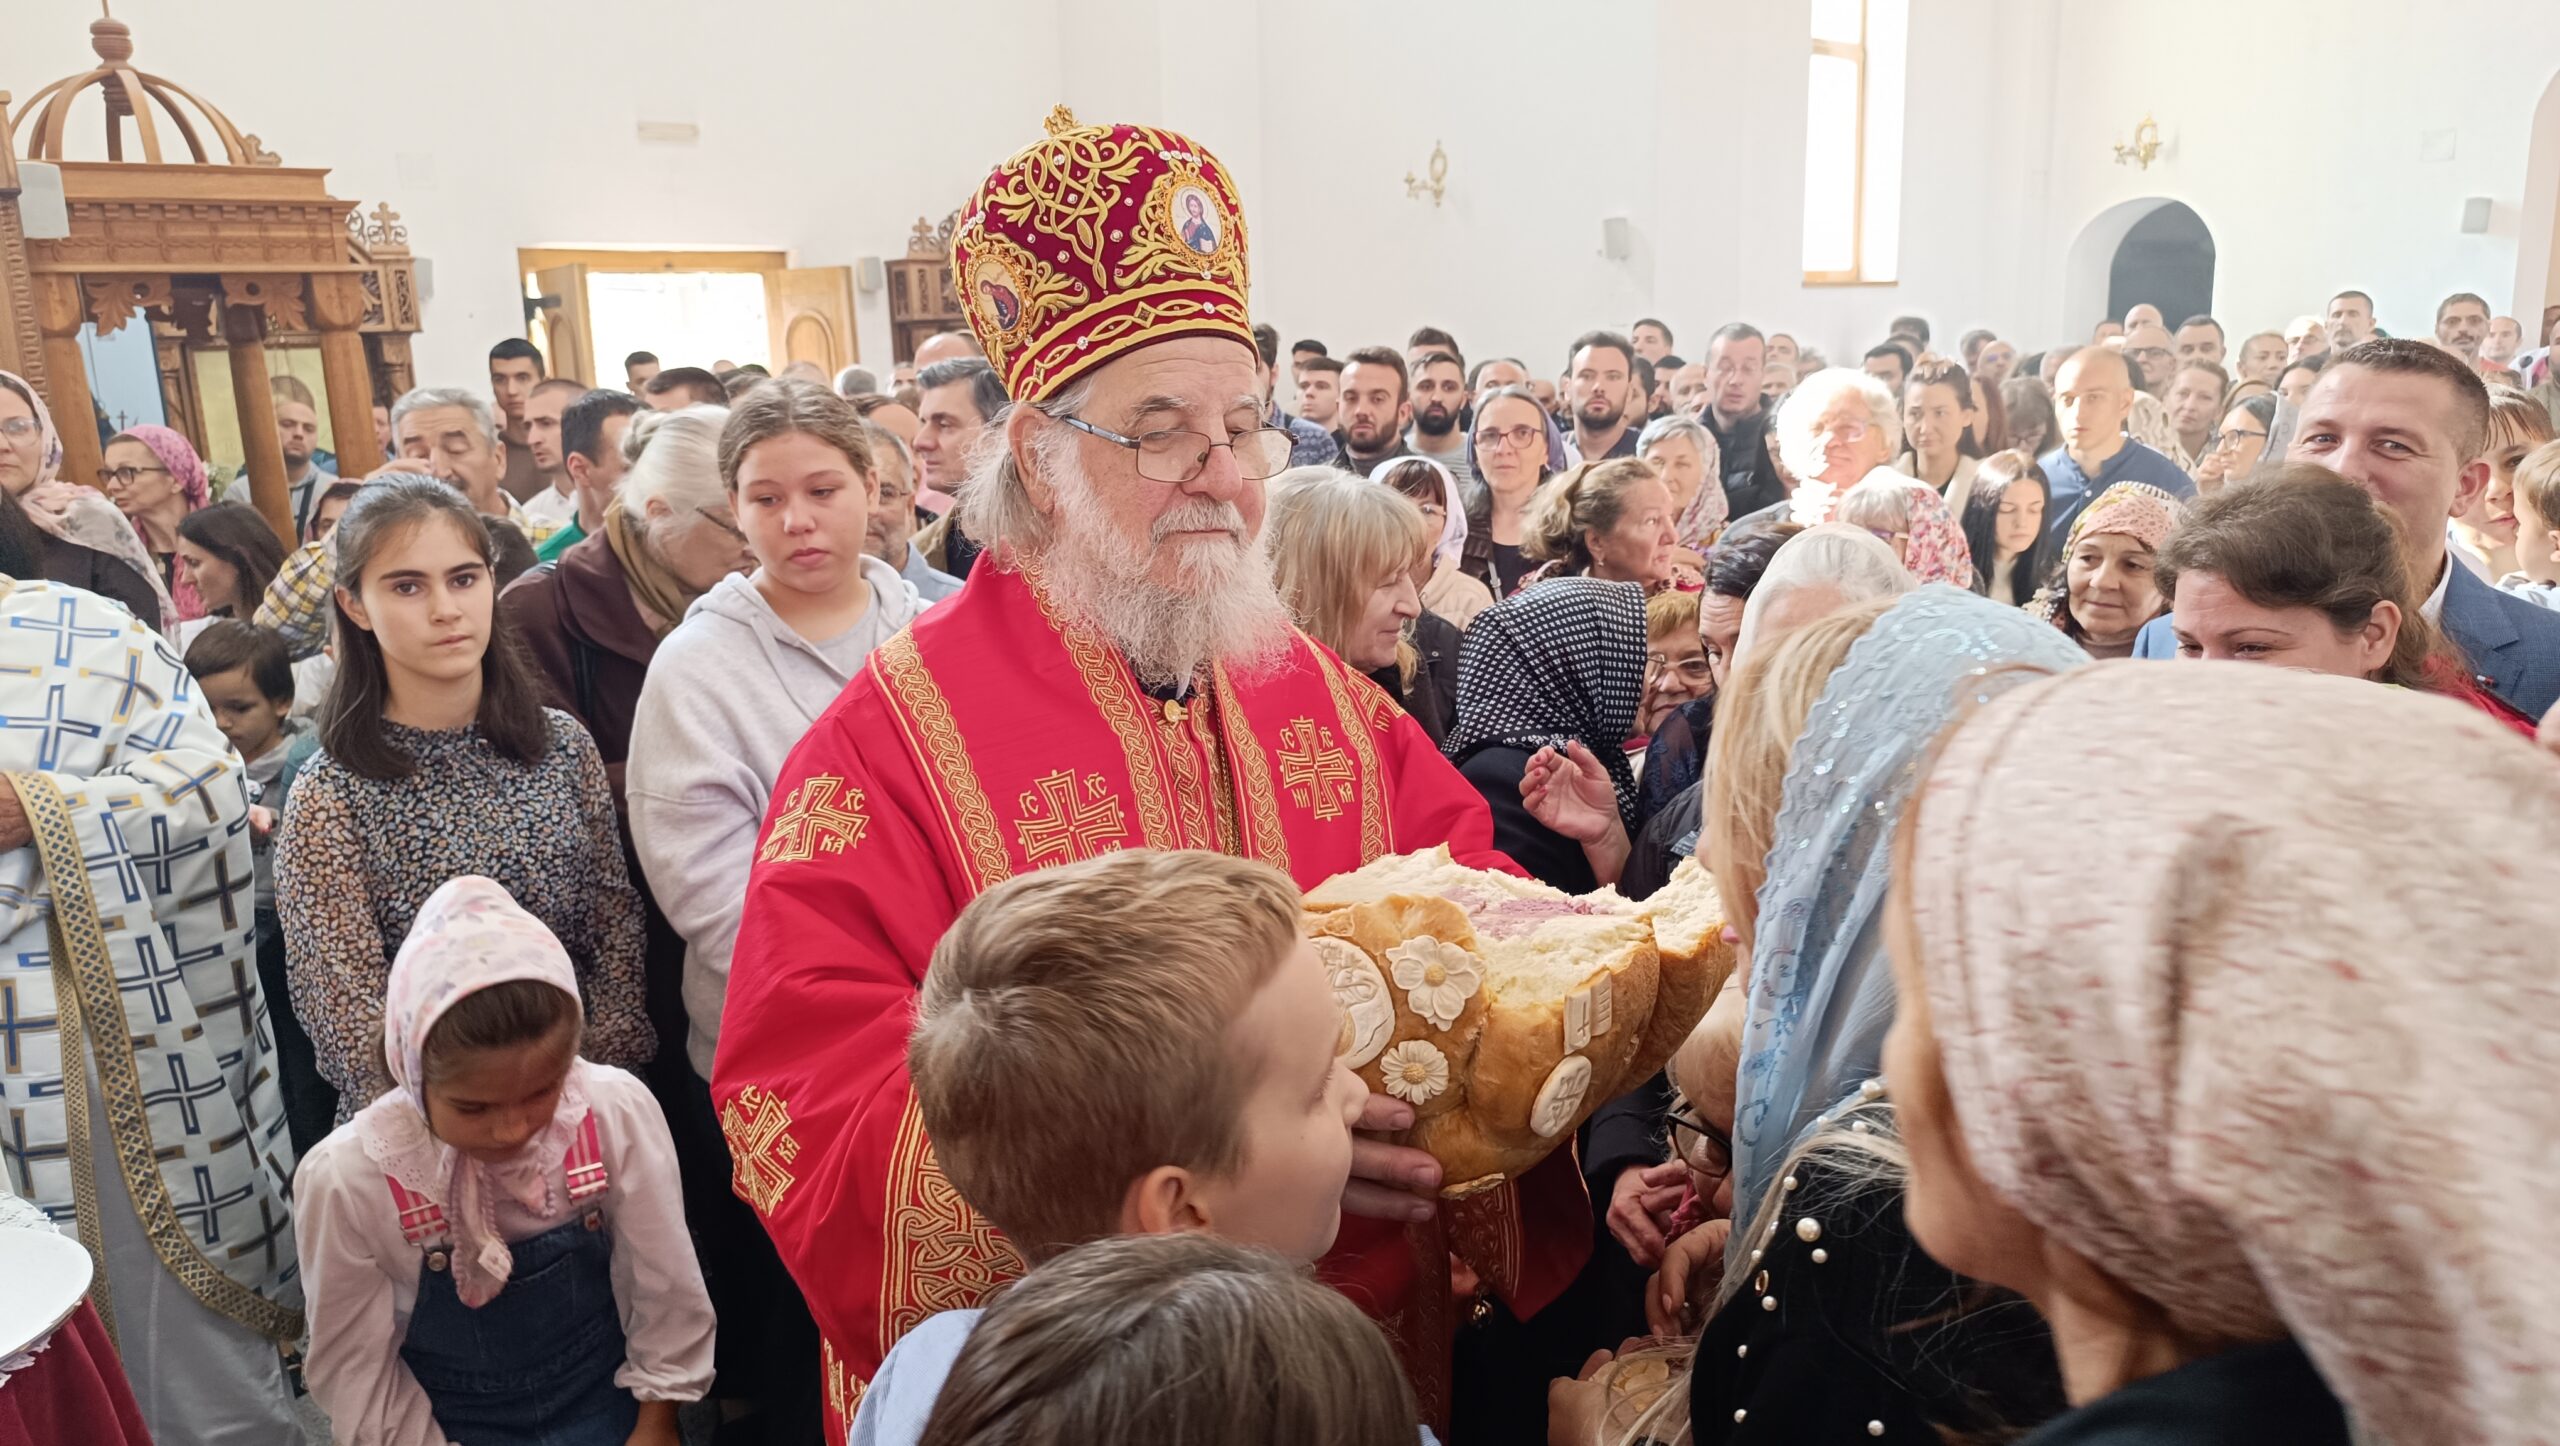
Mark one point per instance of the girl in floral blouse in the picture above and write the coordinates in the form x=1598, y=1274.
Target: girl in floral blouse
x=438, y=759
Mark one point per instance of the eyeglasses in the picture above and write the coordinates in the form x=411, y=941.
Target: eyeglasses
x=124, y=476
x=1494, y=439
x=1699, y=1144
x=1695, y=670
x=19, y=427
x=2151, y=356
x=1177, y=457
x=1843, y=432
x=723, y=523
x=2232, y=437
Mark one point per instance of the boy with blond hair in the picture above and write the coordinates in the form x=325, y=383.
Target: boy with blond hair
x=1136, y=1044
x=2537, y=507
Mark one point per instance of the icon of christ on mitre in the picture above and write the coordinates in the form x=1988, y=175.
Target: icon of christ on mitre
x=1118, y=672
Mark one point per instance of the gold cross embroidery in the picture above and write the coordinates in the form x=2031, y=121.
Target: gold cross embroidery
x=1055, y=827
x=1317, y=773
x=757, y=1126
x=814, y=820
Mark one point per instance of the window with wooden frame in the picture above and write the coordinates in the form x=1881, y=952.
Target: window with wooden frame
x=1853, y=143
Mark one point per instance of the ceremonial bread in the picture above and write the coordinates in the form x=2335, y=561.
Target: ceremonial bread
x=1506, y=1012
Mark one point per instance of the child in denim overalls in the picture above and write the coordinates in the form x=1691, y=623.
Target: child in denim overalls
x=494, y=1250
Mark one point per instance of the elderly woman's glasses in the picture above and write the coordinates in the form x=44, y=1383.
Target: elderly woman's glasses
x=1515, y=438
x=19, y=427
x=1177, y=457
x=124, y=476
x=1690, y=670
x=1842, y=431
x=1700, y=1145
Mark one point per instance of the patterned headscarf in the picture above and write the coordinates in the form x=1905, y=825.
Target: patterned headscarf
x=1453, y=527
x=82, y=515
x=2133, y=509
x=2278, y=1057
x=186, y=469
x=1821, y=990
x=1559, y=661
x=469, y=935
x=1934, y=547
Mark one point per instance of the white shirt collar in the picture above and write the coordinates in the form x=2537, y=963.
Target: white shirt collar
x=2433, y=608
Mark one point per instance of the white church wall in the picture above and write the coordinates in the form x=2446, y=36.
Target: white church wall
x=2304, y=131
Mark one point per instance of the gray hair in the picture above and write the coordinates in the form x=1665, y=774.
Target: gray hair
x=1793, y=429
x=418, y=399
x=1882, y=500
x=994, y=504
x=1662, y=429
x=675, y=458
x=856, y=382
x=1851, y=561
x=986, y=389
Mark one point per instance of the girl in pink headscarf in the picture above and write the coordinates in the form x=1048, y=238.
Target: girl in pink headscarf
x=1911, y=518
x=154, y=477
x=2252, y=1101
x=494, y=1250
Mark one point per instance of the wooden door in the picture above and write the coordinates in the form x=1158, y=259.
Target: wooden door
x=562, y=318
x=809, y=310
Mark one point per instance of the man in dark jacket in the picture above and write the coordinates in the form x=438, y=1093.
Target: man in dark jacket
x=1736, y=357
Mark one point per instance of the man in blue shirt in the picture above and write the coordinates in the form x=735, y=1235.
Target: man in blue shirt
x=2092, y=396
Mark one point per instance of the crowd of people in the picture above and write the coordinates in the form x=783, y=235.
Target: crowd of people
x=638, y=1001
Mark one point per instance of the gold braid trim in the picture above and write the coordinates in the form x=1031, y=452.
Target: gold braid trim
x=914, y=695
x=1253, y=770
x=1376, y=839
x=75, y=1116
x=82, y=970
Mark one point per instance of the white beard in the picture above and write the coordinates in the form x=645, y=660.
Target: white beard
x=1225, y=608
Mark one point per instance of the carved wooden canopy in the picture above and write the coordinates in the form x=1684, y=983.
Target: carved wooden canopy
x=217, y=243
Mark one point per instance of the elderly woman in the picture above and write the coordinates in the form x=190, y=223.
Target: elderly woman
x=2302, y=569
x=85, y=541
x=1513, y=450
x=1910, y=517
x=1815, y=573
x=2248, y=1181
x=1835, y=428
x=1561, y=664
x=1817, y=750
x=1344, y=552
x=2108, y=589
x=1449, y=570
x=593, y=619
x=1692, y=466
x=1610, y=520
x=154, y=477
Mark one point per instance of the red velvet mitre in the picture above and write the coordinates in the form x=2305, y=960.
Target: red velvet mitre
x=1094, y=242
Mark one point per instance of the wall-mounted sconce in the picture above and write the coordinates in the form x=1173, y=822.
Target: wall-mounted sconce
x=2145, y=148
x=1437, y=186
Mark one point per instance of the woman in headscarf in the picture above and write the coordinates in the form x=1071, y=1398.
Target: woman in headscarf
x=88, y=544
x=1560, y=664
x=2254, y=1165
x=1911, y=518
x=1692, y=466
x=155, y=478
x=1828, y=1324
x=2108, y=588
x=1514, y=448
x=1449, y=575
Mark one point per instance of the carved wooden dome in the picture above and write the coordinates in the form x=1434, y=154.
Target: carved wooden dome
x=152, y=103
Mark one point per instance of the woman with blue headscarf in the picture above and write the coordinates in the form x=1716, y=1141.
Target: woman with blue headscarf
x=1829, y=1324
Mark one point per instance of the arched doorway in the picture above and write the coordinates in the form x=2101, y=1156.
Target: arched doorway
x=2167, y=260
x=2149, y=249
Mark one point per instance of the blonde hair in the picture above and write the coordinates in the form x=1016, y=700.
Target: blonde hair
x=1758, y=718
x=1671, y=612
x=675, y=458
x=1334, y=537
x=1577, y=502
x=1074, y=1033
x=786, y=406
x=2537, y=481
x=1173, y=1338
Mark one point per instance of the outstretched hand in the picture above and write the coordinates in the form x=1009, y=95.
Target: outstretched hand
x=1571, y=793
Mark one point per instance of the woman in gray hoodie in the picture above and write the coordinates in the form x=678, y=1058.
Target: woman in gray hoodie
x=731, y=690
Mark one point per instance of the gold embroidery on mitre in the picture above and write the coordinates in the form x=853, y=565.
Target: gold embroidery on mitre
x=1014, y=295
x=1057, y=826
x=813, y=821
x=1317, y=773
x=757, y=1126
x=1184, y=231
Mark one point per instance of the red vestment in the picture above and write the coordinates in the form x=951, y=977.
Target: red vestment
x=988, y=740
